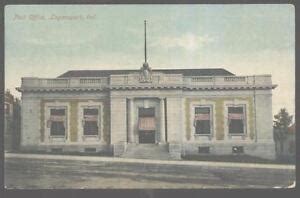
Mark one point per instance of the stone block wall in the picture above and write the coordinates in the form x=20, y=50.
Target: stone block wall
x=118, y=123
x=33, y=121
x=262, y=150
x=259, y=138
x=174, y=119
x=30, y=122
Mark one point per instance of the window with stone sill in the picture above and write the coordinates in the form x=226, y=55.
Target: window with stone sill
x=57, y=122
x=236, y=120
x=90, y=121
x=202, y=120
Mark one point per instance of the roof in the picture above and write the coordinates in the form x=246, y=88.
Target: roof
x=184, y=72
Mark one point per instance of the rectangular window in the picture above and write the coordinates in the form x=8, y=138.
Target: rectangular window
x=90, y=121
x=90, y=150
x=202, y=120
x=236, y=120
x=57, y=122
x=238, y=149
x=56, y=150
x=203, y=149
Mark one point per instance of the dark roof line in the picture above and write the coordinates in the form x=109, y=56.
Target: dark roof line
x=184, y=72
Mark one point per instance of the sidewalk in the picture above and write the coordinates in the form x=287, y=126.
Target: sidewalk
x=148, y=161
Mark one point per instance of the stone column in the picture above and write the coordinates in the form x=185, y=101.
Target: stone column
x=118, y=125
x=162, y=121
x=130, y=120
x=174, y=116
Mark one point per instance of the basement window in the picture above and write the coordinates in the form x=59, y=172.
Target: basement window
x=238, y=149
x=56, y=150
x=203, y=149
x=90, y=150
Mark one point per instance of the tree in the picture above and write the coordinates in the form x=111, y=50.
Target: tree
x=282, y=121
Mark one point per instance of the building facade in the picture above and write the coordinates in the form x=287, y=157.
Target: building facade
x=188, y=111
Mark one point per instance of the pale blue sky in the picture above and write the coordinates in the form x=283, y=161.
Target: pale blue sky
x=244, y=39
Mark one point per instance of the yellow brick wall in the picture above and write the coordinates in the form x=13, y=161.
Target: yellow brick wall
x=219, y=108
x=74, y=118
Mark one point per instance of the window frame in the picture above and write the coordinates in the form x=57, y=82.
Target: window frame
x=65, y=136
x=98, y=107
x=86, y=139
x=244, y=106
x=210, y=116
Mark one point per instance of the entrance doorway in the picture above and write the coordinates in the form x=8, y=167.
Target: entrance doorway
x=146, y=125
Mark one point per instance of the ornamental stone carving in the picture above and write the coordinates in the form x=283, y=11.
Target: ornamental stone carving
x=145, y=74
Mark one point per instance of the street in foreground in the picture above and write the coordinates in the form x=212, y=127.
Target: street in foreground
x=25, y=171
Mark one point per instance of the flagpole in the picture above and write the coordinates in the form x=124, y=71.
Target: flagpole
x=145, y=42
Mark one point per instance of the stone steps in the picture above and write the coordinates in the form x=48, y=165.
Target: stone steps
x=147, y=151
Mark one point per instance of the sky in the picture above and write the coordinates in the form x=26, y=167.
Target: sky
x=48, y=40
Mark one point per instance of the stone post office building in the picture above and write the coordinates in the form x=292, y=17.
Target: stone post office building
x=185, y=111
x=177, y=112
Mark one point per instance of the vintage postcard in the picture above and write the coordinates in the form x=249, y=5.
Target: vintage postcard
x=149, y=96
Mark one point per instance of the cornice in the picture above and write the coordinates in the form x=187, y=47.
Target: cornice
x=146, y=87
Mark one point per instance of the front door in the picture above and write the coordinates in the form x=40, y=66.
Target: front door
x=147, y=125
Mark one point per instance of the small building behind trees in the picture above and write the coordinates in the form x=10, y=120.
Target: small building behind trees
x=12, y=125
